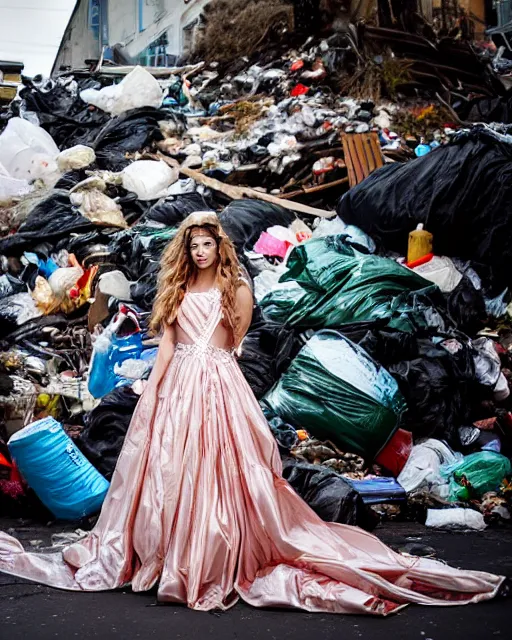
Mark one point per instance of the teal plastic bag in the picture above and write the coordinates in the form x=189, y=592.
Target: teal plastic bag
x=329, y=284
x=476, y=474
x=335, y=391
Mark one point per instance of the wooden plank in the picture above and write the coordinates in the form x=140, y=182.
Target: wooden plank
x=306, y=190
x=377, y=152
x=371, y=162
x=239, y=193
x=348, y=161
x=362, y=155
x=359, y=158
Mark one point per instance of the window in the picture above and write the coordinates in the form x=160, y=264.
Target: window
x=94, y=17
x=188, y=37
x=156, y=54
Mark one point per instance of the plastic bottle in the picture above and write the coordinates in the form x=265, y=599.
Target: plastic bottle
x=420, y=244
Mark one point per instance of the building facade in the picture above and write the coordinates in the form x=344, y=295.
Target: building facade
x=149, y=32
x=156, y=32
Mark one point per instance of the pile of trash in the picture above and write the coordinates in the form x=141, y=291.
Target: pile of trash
x=382, y=362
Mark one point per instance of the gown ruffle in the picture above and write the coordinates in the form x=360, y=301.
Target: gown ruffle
x=197, y=506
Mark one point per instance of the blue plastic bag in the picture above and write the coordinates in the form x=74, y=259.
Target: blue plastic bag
x=64, y=480
x=378, y=490
x=110, y=351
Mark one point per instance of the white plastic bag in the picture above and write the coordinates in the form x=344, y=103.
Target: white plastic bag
x=501, y=390
x=77, y=157
x=441, y=271
x=28, y=152
x=12, y=187
x=455, y=519
x=138, y=89
x=64, y=279
x=283, y=233
x=19, y=308
x=421, y=470
x=149, y=179
x=115, y=283
x=266, y=280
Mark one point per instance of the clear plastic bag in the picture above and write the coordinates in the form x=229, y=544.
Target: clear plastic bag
x=149, y=179
x=99, y=208
x=138, y=89
x=28, y=152
x=12, y=187
x=487, y=362
x=77, y=157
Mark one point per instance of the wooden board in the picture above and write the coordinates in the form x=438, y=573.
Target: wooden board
x=362, y=155
x=239, y=193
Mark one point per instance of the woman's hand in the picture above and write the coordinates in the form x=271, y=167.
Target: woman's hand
x=163, y=358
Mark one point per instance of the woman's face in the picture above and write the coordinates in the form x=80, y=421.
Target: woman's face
x=203, y=250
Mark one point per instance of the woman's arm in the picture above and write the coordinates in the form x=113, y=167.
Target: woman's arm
x=164, y=356
x=245, y=305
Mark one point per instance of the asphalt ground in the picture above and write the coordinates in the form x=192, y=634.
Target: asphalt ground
x=31, y=611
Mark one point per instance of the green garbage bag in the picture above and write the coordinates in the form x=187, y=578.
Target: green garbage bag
x=329, y=284
x=335, y=391
x=476, y=474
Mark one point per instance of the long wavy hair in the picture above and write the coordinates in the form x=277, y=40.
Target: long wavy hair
x=177, y=271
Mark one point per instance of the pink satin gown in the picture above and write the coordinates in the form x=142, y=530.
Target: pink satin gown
x=198, y=506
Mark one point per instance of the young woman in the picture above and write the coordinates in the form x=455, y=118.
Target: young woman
x=197, y=504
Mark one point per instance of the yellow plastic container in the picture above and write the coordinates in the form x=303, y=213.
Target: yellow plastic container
x=420, y=244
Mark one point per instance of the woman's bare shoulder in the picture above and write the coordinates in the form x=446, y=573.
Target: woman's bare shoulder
x=243, y=291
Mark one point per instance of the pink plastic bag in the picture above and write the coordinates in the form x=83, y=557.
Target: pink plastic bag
x=270, y=246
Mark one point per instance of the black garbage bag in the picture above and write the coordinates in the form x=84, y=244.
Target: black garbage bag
x=62, y=113
x=51, y=219
x=15, y=311
x=267, y=351
x=71, y=179
x=285, y=435
x=105, y=428
x=93, y=243
x=437, y=380
x=329, y=495
x=9, y=285
x=144, y=290
x=438, y=388
x=497, y=109
x=138, y=250
x=461, y=191
x=245, y=220
x=466, y=307
x=6, y=387
x=172, y=211
x=127, y=133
